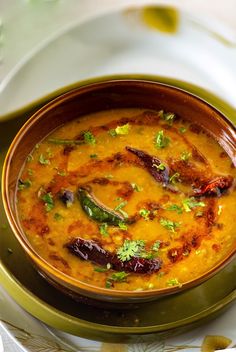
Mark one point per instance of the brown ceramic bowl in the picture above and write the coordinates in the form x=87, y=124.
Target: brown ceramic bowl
x=92, y=98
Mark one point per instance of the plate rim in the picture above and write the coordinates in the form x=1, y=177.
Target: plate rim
x=69, y=323
x=28, y=108
x=105, y=12
x=9, y=281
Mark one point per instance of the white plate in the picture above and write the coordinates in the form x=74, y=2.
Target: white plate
x=120, y=43
x=33, y=336
x=117, y=43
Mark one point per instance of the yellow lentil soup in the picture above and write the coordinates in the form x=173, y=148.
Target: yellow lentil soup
x=129, y=199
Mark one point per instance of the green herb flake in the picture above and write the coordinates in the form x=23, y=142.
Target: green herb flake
x=49, y=153
x=174, y=282
x=161, y=141
x=175, y=207
x=119, y=208
x=103, y=229
x=160, y=167
x=93, y=156
x=89, y=138
x=108, y=284
x=100, y=270
x=48, y=201
x=29, y=158
x=123, y=130
x=146, y=255
x=116, y=277
x=190, y=203
x=136, y=187
x=169, y=225
x=57, y=217
x=24, y=184
x=174, y=178
x=61, y=173
x=30, y=172
x=43, y=160
x=112, y=132
x=129, y=249
x=185, y=156
x=122, y=226
x=156, y=246
x=182, y=129
x=168, y=117
x=144, y=213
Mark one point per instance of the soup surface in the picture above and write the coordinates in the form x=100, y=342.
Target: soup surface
x=129, y=199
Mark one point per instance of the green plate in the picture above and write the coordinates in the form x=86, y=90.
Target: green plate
x=167, y=316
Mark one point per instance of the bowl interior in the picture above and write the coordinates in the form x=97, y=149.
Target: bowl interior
x=105, y=96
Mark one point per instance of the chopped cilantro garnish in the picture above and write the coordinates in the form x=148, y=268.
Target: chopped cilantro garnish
x=29, y=158
x=161, y=141
x=116, y=277
x=48, y=201
x=144, y=213
x=182, y=129
x=169, y=225
x=146, y=255
x=156, y=246
x=122, y=226
x=190, y=203
x=49, y=153
x=161, y=166
x=167, y=116
x=43, y=160
x=136, y=187
x=174, y=282
x=122, y=130
x=112, y=132
x=103, y=229
x=58, y=216
x=30, y=172
x=119, y=208
x=175, y=207
x=89, y=138
x=129, y=249
x=174, y=178
x=185, y=156
x=121, y=205
x=93, y=156
x=100, y=270
x=24, y=184
x=61, y=172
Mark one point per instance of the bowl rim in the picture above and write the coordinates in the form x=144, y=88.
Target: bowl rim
x=41, y=262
